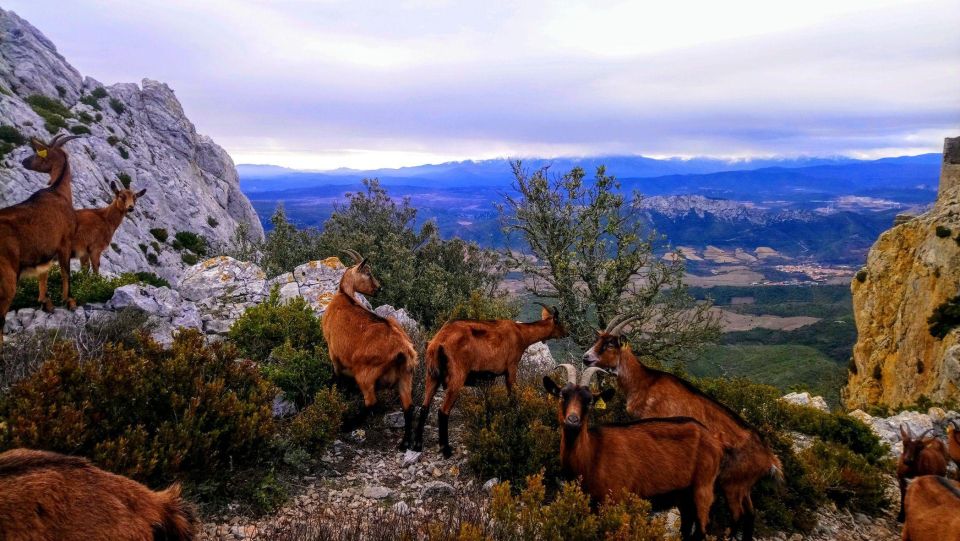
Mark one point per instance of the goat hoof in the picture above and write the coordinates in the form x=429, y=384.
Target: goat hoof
x=447, y=451
x=47, y=306
x=404, y=445
x=71, y=304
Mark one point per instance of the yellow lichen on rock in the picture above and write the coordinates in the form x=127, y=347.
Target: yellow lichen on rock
x=911, y=269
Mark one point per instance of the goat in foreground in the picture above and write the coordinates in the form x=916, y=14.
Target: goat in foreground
x=48, y=496
x=923, y=455
x=654, y=393
x=40, y=229
x=933, y=510
x=370, y=349
x=953, y=442
x=465, y=351
x=670, y=461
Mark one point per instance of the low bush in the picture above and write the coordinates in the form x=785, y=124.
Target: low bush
x=160, y=234
x=212, y=222
x=511, y=437
x=53, y=112
x=945, y=317
x=85, y=287
x=79, y=129
x=845, y=477
x=99, y=93
x=124, y=179
x=273, y=323
x=10, y=138
x=92, y=102
x=189, y=259
x=482, y=306
x=191, y=411
x=318, y=424
x=123, y=152
x=943, y=231
x=190, y=241
x=299, y=373
x=117, y=106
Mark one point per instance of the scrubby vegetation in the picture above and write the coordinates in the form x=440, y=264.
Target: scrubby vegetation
x=10, y=138
x=160, y=234
x=53, y=112
x=188, y=240
x=945, y=317
x=86, y=287
x=117, y=106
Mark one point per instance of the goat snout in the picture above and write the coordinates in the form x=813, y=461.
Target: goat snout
x=572, y=420
x=26, y=162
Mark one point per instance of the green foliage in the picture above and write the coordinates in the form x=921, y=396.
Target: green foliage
x=10, y=138
x=91, y=101
x=317, y=425
x=160, y=234
x=124, y=179
x=99, y=93
x=51, y=110
x=191, y=411
x=189, y=259
x=945, y=317
x=845, y=477
x=113, y=140
x=568, y=516
x=85, y=287
x=943, y=231
x=123, y=152
x=84, y=117
x=832, y=337
x=862, y=275
x=299, y=373
x=588, y=248
x=116, y=247
x=273, y=323
x=212, y=222
x=511, y=437
x=151, y=279
x=189, y=240
x=153, y=259
x=79, y=129
x=61, y=90
x=117, y=106
x=97, y=117
x=483, y=307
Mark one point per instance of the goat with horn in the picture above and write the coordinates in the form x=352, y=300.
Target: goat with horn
x=465, y=352
x=922, y=455
x=372, y=350
x=40, y=229
x=654, y=393
x=669, y=461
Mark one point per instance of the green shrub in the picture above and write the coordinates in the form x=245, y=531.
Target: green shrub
x=143, y=247
x=160, y=234
x=61, y=90
x=92, y=102
x=190, y=241
x=99, y=93
x=10, y=138
x=125, y=180
x=51, y=110
x=153, y=259
x=113, y=140
x=299, y=373
x=482, y=306
x=79, y=129
x=945, y=317
x=86, y=287
x=511, y=437
x=115, y=247
x=861, y=276
x=943, y=231
x=845, y=477
x=84, y=117
x=273, y=323
x=123, y=152
x=318, y=424
x=191, y=411
x=212, y=222
x=97, y=117
x=117, y=106
x=189, y=259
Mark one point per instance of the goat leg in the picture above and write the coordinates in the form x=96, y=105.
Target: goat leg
x=45, y=303
x=443, y=423
x=64, y=259
x=407, y=441
x=418, y=432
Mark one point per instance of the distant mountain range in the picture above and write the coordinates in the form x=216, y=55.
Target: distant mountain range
x=828, y=209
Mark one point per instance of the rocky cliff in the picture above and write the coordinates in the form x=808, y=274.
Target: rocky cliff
x=133, y=134
x=911, y=270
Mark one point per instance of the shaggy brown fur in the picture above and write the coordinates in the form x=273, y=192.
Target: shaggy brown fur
x=933, y=510
x=372, y=350
x=671, y=461
x=924, y=455
x=466, y=350
x=953, y=443
x=653, y=393
x=51, y=497
x=35, y=232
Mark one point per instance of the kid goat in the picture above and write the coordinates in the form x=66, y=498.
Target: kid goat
x=924, y=455
x=933, y=510
x=371, y=349
x=654, y=393
x=40, y=229
x=47, y=496
x=670, y=461
x=465, y=351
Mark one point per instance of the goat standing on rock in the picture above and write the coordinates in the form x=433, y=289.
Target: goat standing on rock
x=95, y=227
x=924, y=455
x=465, y=351
x=670, y=461
x=654, y=393
x=40, y=229
x=371, y=349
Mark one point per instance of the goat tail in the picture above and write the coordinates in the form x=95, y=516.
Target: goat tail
x=776, y=470
x=178, y=518
x=437, y=363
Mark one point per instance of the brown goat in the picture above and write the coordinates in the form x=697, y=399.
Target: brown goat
x=953, y=442
x=370, y=349
x=933, y=510
x=654, y=393
x=924, y=455
x=40, y=229
x=466, y=351
x=47, y=496
x=670, y=461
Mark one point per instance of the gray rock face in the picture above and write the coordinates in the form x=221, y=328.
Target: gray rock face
x=191, y=182
x=804, y=399
x=888, y=428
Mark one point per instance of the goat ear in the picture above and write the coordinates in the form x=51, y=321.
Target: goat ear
x=605, y=394
x=363, y=263
x=37, y=144
x=551, y=386
x=545, y=314
x=141, y=193
x=113, y=187
x=904, y=433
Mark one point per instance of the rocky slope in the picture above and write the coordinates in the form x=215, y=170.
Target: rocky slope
x=911, y=270
x=136, y=133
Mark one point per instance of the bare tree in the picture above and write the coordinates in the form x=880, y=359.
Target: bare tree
x=585, y=245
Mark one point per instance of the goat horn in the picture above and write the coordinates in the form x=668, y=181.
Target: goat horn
x=356, y=257
x=954, y=423
x=571, y=372
x=925, y=432
x=613, y=323
x=588, y=375
x=548, y=308
x=61, y=140
x=619, y=328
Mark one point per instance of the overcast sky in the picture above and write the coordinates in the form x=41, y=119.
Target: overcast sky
x=328, y=84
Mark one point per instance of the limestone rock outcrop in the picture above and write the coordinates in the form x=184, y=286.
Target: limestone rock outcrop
x=138, y=134
x=911, y=270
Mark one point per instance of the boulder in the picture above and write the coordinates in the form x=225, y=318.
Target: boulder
x=804, y=399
